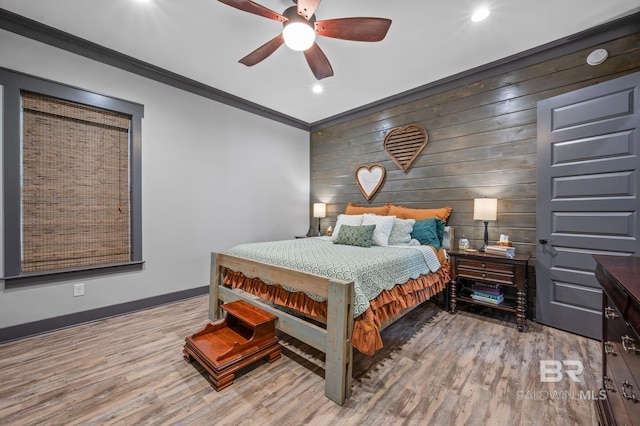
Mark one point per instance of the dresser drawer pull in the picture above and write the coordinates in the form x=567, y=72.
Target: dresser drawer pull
x=484, y=275
x=484, y=265
x=608, y=348
x=630, y=396
x=608, y=384
x=628, y=345
x=609, y=313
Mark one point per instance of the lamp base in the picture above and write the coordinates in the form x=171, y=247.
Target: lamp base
x=486, y=236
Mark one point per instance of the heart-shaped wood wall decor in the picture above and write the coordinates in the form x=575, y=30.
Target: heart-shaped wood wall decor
x=369, y=179
x=403, y=144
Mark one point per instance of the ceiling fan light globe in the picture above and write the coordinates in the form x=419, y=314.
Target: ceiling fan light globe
x=298, y=36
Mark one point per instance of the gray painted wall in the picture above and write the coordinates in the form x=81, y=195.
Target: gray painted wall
x=212, y=176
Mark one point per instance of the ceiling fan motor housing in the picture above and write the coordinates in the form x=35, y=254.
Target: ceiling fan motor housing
x=292, y=15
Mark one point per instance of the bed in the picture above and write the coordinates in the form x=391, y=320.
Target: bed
x=336, y=295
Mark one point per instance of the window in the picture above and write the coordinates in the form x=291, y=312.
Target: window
x=72, y=181
x=75, y=185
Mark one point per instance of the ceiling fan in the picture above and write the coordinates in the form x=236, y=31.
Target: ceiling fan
x=301, y=27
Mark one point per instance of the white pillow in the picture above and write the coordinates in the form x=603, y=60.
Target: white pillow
x=383, y=224
x=346, y=219
x=401, y=232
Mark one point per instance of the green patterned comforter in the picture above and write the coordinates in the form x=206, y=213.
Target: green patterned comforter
x=372, y=269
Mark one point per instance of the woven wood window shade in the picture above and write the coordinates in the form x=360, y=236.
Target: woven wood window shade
x=75, y=185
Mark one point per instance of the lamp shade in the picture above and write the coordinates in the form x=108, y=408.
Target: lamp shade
x=485, y=209
x=319, y=210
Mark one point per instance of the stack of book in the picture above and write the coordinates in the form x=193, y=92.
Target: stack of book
x=488, y=293
x=509, y=252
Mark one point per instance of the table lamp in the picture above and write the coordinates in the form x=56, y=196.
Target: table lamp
x=485, y=209
x=319, y=211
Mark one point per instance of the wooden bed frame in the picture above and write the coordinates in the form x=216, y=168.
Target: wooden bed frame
x=335, y=341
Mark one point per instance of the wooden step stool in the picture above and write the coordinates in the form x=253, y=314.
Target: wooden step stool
x=244, y=336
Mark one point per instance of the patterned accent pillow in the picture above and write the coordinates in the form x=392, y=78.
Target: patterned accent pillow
x=360, y=236
x=401, y=231
x=383, y=224
x=346, y=219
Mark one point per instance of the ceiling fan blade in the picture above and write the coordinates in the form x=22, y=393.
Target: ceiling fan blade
x=263, y=51
x=356, y=29
x=306, y=8
x=318, y=62
x=255, y=8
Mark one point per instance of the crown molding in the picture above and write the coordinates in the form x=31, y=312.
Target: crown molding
x=602, y=33
x=35, y=30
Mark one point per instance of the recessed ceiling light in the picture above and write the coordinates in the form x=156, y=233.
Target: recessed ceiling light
x=317, y=88
x=480, y=14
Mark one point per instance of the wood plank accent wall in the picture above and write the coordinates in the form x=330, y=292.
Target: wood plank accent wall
x=482, y=142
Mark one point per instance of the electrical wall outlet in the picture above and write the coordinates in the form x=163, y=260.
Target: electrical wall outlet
x=78, y=290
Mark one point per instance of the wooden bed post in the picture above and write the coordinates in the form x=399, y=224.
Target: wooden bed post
x=214, y=281
x=339, y=352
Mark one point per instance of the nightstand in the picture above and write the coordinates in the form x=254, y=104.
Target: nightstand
x=469, y=267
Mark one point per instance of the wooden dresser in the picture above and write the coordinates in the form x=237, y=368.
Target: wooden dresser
x=619, y=277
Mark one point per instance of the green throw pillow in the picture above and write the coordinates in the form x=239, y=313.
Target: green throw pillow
x=429, y=232
x=361, y=236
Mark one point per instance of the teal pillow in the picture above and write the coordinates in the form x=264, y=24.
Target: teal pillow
x=361, y=236
x=429, y=232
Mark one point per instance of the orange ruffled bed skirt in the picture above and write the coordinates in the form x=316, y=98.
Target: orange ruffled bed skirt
x=366, y=331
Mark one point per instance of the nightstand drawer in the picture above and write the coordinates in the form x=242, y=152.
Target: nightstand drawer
x=499, y=273
x=493, y=277
x=486, y=266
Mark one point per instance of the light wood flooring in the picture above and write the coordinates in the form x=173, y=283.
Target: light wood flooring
x=436, y=369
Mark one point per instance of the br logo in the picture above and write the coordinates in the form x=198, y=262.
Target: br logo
x=552, y=370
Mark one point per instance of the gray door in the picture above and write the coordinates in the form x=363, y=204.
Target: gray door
x=588, y=180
